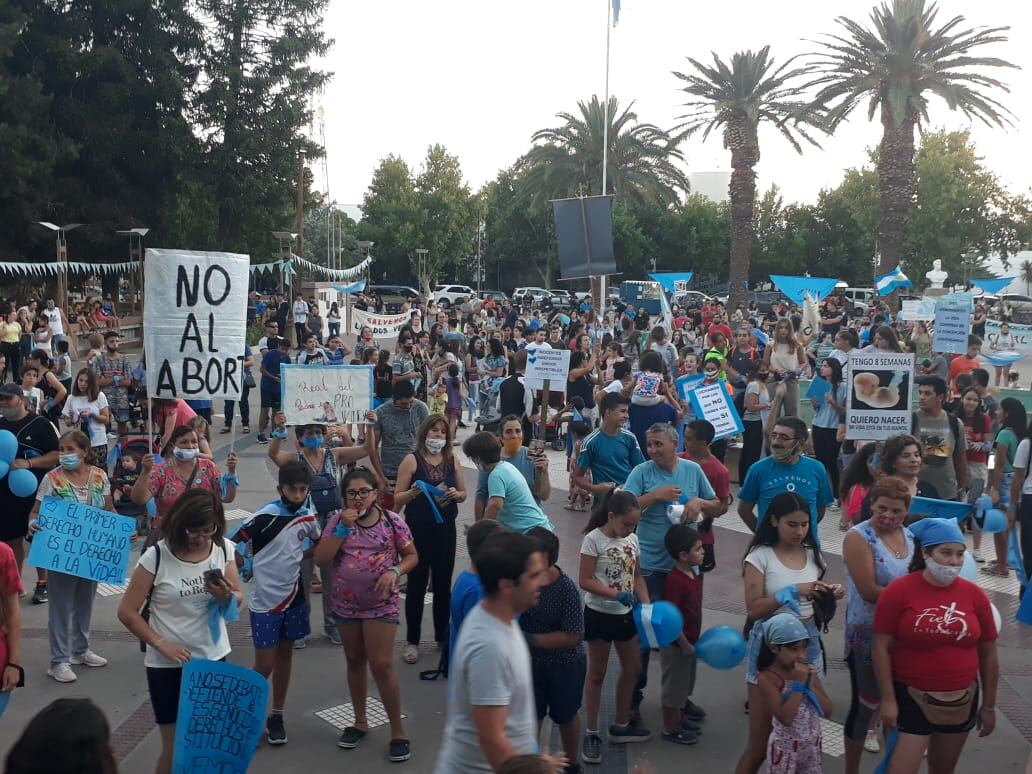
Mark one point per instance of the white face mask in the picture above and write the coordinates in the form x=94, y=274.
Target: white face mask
x=944, y=574
x=435, y=445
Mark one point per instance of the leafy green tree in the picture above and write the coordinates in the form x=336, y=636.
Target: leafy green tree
x=251, y=109
x=518, y=231
x=894, y=67
x=448, y=216
x=734, y=98
x=642, y=164
x=391, y=220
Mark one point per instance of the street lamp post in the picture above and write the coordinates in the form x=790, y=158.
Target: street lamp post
x=62, y=259
x=424, y=281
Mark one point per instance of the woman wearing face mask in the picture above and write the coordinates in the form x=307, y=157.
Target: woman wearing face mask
x=757, y=405
x=167, y=480
x=876, y=552
x=782, y=568
x=71, y=597
x=433, y=528
x=369, y=549
x=325, y=464
x=935, y=653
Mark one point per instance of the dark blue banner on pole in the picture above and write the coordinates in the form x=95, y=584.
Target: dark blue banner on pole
x=584, y=233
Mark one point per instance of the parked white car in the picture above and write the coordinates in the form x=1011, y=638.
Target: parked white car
x=450, y=295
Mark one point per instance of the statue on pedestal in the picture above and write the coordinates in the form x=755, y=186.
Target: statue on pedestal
x=936, y=277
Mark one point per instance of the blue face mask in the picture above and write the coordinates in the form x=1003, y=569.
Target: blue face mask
x=312, y=441
x=70, y=461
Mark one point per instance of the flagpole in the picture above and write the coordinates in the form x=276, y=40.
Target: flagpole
x=605, y=104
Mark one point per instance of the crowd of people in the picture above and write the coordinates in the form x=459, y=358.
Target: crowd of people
x=517, y=638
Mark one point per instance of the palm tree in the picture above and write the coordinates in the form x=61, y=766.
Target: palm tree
x=642, y=164
x=735, y=97
x=894, y=67
x=1026, y=275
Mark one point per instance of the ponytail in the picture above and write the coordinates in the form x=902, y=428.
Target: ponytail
x=617, y=501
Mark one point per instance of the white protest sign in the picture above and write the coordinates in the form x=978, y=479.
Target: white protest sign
x=553, y=364
x=384, y=326
x=918, y=309
x=712, y=403
x=1021, y=337
x=195, y=316
x=326, y=394
x=952, y=327
x=879, y=401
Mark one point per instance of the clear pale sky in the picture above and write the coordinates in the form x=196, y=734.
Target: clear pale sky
x=480, y=76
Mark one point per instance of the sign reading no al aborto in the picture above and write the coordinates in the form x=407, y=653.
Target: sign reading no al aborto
x=194, y=321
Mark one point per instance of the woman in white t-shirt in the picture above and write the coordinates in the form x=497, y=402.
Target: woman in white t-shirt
x=87, y=409
x=1020, y=506
x=610, y=575
x=193, y=555
x=782, y=570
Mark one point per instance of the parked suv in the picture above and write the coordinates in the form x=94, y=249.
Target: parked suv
x=559, y=300
x=452, y=295
x=530, y=296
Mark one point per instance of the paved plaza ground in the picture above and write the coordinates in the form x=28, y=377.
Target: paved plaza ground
x=318, y=701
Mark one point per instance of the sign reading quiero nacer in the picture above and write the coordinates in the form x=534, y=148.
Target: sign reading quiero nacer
x=878, y=404
x=194, y=321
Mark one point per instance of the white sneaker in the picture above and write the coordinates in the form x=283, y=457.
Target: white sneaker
x=90, y=659
x=410, y=654
x=62, y=673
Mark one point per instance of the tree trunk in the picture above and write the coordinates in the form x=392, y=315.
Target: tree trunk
x=896, y=174
x=229, y=218
x=745, y=153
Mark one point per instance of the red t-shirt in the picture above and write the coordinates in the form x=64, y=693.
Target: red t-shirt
x=935, y=630
x=10, y=583
x=962, y=364
x=716, y=473
x=976, y=434
x=685, y=591
x=719, y=329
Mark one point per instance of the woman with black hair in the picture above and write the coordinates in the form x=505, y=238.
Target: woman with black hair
x=934, y=653
x=856, y=481
x=1013, y=427
x=828, y=411
x=782, y=570
x=884, y=339
x=66, y=735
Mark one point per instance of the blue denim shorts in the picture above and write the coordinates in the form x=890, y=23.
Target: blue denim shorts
x=814, y=651
x=269, y=628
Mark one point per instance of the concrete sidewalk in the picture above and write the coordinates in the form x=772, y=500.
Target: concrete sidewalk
x=318, y=699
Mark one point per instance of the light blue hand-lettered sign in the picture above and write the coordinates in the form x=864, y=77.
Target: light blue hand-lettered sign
x=82, y=540
x=220, y=720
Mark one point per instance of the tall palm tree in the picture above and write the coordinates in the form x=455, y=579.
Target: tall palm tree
x=1026, y=275
x=642, y=159
x=735, y=97
x=895, y=66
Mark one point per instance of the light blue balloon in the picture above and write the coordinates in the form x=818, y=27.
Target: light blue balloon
x=666, y=620
x=969, y=570
x=8, y=446
x=22, y=482
x=721, y=647
x=995, y=520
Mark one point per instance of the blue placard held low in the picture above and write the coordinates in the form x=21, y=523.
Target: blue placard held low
x=711, y=402
x=221, y=718
x=83, y=541
x=818, y=386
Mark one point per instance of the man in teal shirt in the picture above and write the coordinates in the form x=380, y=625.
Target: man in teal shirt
x=510, y=500
x=609, y=453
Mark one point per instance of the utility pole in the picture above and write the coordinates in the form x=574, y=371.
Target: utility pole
x=299, y=217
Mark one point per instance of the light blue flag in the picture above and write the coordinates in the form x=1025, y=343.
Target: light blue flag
x=888, y=282
x=673, y=281
x=616, y=12
x=796, y=287
x=355, y=287
x=992, y=285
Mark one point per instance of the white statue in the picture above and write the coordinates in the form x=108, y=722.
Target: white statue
x=936, y=277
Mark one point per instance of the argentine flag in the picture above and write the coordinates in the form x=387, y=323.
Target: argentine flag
x=886, y=283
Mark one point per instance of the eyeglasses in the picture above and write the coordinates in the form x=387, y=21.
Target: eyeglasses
x=782, y=437
x=202, y=531
x=359, y=494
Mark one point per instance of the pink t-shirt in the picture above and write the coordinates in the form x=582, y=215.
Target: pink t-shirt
x=10, y=583
x=183, y=414
x=366, y=554
x=166, y=487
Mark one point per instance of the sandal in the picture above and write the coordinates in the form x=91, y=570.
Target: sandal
x=992, y=569
x=246, y=429
x=226, y=429
x=350, y=737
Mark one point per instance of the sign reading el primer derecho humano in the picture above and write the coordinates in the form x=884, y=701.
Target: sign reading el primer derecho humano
x=878, y=404
x=194, y=321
